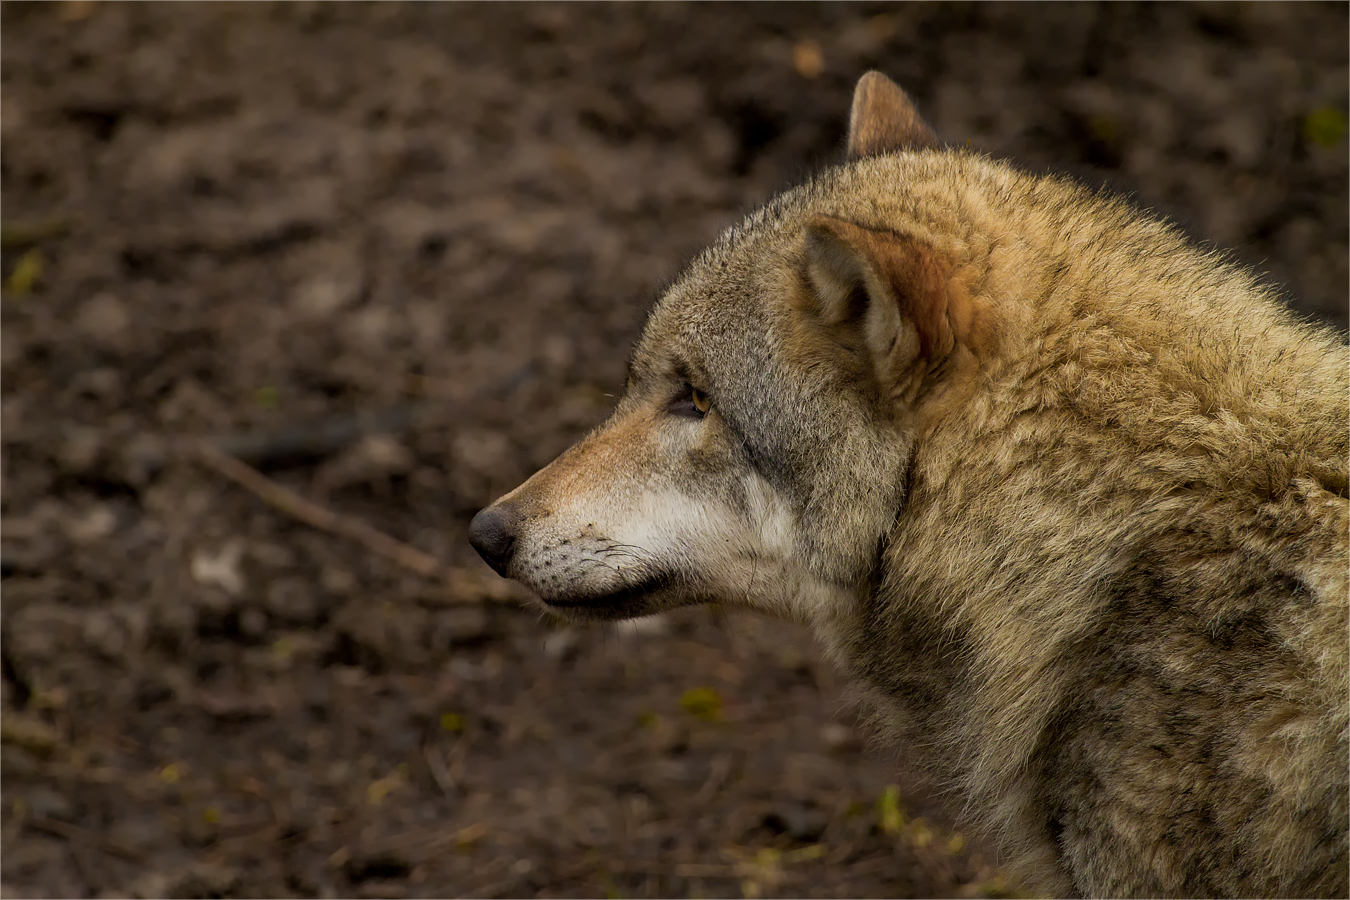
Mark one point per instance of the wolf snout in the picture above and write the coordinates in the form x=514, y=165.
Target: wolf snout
x=493, y=534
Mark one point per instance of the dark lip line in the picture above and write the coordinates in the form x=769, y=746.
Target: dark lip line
x=614, y=599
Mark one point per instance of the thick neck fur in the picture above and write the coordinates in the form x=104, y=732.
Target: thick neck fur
x=1120, y=394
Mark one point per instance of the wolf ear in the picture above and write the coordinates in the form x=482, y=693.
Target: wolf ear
x=884, y=120
x=881, y=293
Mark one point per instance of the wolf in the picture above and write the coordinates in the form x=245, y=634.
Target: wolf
x=1065, y=492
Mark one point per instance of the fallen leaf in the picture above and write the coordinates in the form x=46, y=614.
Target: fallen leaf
x=890, y=814
x=1325, y=126
x=266, y=397
x=26, y=273
x=702, y=703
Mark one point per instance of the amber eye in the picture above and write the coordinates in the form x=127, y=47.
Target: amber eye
x=690, y=402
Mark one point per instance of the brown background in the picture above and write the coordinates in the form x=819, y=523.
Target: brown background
x=268, y=215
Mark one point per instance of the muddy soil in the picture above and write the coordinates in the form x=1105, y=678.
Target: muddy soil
x=438, y=227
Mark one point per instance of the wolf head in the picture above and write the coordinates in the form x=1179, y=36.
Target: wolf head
x=758, y=455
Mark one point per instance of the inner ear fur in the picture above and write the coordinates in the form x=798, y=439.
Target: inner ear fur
x=884, y=120
x=881, y=293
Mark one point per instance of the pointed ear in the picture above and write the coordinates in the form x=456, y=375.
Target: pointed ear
x=883, y=294
x=884, y=120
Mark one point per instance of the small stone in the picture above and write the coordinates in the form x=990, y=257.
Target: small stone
x=220, y=569
x=325, y=294
x=371, y=329
x=104, y=317
x=93, y=526
x=337, y=581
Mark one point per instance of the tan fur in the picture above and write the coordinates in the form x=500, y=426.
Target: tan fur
x=1068, y=494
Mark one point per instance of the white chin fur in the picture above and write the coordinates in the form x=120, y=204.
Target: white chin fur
x=594, y=550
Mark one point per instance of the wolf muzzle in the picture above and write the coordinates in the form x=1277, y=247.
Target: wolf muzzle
x=493, y=534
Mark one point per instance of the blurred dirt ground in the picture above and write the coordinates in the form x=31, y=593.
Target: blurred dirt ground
x=233, y=220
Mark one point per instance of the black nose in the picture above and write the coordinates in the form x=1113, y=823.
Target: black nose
x=493, y=534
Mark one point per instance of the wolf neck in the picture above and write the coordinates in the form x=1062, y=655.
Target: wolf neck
x=1091, y=428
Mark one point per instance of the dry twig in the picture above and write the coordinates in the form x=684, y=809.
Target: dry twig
x=316, y=516
x=461, y=586
x=84, y=836
x=441, y=775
